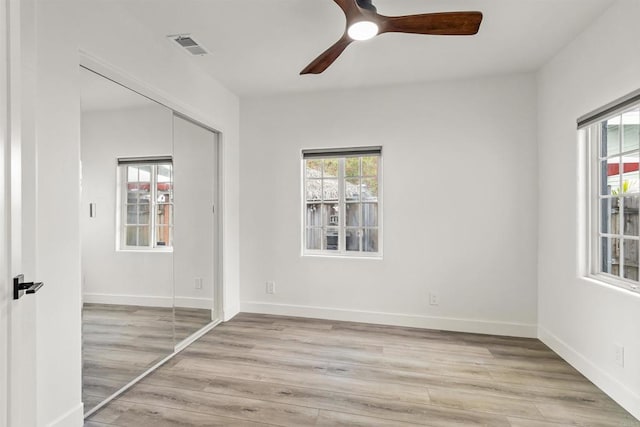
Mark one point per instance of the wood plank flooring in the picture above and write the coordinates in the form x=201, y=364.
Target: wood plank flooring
x=269, y=370
x=120, y=342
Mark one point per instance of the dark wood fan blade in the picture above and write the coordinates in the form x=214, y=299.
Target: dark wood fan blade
x=446, y=23
x=323, y=61
x=349, y=7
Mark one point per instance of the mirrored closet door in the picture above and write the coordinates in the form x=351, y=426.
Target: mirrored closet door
x=194, y=151
x=149, y=180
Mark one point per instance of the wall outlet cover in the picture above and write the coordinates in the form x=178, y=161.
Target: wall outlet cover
x=271, y=287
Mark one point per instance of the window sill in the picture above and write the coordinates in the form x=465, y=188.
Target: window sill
x=377, y=257
x=147, y=251
x=614, y=284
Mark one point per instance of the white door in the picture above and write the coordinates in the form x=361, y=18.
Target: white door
x=4, y=244
x=17, y=317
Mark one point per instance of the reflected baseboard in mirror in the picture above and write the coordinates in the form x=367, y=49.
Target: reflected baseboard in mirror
x=119, y=343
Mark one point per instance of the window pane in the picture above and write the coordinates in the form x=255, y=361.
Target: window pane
x=370, y=189
x=352, y=166
x=631, y=130
x=132, y=197
x=370, y=240
x=370, y=166
x=331, y=239
x=353, y=239
x=631, y=216
x=314, y=238
x=630, y=173
x=165, y=214
x=611, y=137
x=132, y=214
x=163, y=236
x=313, y=168
x=331, y=168
x=143, y=214
x=164, y=173
x=331, y=213
x=314, y=217
x=314, y=189
x=131, y=234
x=352, y=189
x=353, y=214
x=144, y=236
x=132, y=174
x=330, y=189
x=144, y=174
x=610, y=248
x=370, y=214
x=610, y=170
x=630, y=259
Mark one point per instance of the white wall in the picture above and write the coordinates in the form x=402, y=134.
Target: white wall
x=102, y=29
x=459, y=205
x=578, y=318
x=110, y=275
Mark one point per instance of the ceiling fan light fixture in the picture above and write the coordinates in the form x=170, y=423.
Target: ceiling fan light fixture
x=363, y=30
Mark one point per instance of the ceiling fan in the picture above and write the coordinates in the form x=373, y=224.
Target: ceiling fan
x=364, y=22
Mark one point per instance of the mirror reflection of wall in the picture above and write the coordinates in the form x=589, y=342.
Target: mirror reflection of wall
x=126, y=220
x=195, y=173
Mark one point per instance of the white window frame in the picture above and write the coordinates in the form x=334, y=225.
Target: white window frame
x=342, y=252
x=121, y=223
x=593, y=138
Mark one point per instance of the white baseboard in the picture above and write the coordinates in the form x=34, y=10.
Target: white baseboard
x=74, y=417
x=119, y=299
x=410, y=320
x=605, y=381
x=147, y=301
x=189, y=302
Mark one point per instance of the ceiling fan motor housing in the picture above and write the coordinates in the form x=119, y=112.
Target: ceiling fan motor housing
x=366, y=4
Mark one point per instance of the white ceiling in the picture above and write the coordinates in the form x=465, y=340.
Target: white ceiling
x=259, y=46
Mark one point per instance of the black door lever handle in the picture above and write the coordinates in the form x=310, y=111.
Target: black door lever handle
x=20, y=287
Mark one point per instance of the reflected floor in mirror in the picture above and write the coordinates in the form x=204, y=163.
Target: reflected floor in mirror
x=120, y=342
x=270, y=370
x=189, y=320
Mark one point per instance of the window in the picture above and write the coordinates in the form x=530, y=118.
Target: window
x=146, y=215
x=614, y=146
x=342, y=202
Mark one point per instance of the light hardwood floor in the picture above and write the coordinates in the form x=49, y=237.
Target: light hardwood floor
x=270, y=370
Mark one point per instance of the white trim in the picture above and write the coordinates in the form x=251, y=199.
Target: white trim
x=73, y=417
x=148, y=301
x=196, y=336
x=121, y=299
x=190, y=302
x=478, y=326
x=603, y=380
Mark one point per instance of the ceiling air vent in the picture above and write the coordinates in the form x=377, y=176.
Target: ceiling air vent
x=189, y=44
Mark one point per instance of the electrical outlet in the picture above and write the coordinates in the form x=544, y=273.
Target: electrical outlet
x=433, y=298
x=619, y=354
x=271, y=287
x=198, y=282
